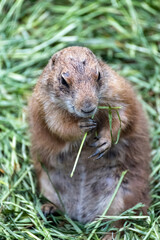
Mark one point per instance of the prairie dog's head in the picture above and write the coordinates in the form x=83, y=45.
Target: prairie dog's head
x=73, y=80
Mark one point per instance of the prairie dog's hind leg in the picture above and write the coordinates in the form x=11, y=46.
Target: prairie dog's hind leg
x=48, y=208
x=48, y=190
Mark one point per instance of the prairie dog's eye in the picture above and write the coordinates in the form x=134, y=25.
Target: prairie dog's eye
x=99, y=76
x=63, y=81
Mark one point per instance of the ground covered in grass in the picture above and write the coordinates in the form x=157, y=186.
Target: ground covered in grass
x=124, y=33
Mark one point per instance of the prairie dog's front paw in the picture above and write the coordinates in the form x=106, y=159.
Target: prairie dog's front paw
x=87, y=125
x=102, y=144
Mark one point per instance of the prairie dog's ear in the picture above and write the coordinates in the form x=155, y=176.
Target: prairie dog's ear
x=105, y=69
x=53, y=60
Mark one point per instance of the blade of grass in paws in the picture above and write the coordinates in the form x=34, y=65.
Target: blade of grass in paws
x=79, y=152
x=119, y=130
x=110, y=122
x=105, y=107
x=109, y=116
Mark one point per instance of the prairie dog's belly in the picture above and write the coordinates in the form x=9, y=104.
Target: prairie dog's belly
x=86, y=195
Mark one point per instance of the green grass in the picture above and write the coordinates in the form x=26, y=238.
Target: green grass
x=126, y=34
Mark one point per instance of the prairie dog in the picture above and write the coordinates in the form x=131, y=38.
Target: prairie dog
x=70, y=89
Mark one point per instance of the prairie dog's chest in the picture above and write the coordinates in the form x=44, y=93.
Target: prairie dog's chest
x=86, y=194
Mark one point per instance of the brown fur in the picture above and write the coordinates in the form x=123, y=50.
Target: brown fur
x=59, y=114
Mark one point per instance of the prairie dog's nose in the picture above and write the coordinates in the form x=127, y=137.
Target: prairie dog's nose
x=88, y=108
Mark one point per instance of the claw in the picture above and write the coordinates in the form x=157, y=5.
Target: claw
x=102, y=145
x=88, y=128
x=87, y=125
x=100, y=155
x=92, y=121
x=94, y=154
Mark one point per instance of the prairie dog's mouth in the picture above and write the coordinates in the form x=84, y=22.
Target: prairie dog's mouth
x=86, y=113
